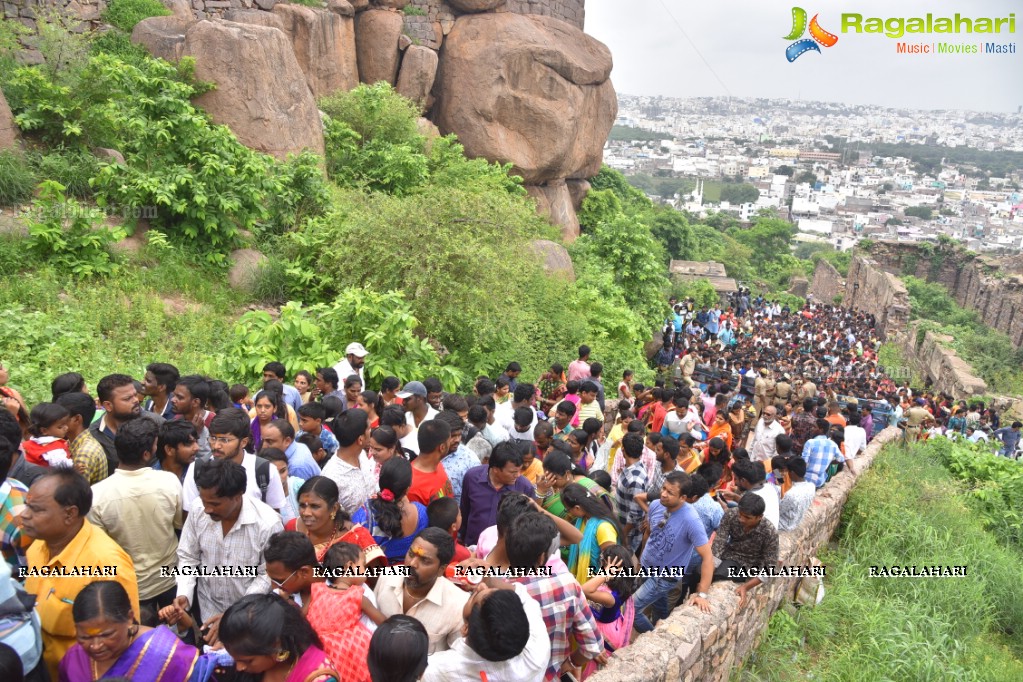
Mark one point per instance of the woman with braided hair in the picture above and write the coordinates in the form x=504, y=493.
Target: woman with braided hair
x=392, y=519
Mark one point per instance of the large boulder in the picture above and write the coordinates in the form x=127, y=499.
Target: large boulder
x=476, y=5
x=324, y=46
x=530, y=90
x=255, y=17
x=418, y=71
x=246, y=265
x=181, y=9
x=554, y=202
x=556, y=260
x=8, y=128
x=163, y=37
x=376, y=43
x=261, y=92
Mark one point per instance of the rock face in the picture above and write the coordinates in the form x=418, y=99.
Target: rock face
x=8, y=128
x=163, y=37
x=245, y=267
x=476, y=5
x=556, y=260
x=324, y=45
x=554, y=201
x=261, y=92
x=376, y=43
x=578, y=189
x=180, y=9
x=529, y=90
x=418, y=70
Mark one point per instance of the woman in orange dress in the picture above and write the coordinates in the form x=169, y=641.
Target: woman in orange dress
x=721, y=429
x=322, y=519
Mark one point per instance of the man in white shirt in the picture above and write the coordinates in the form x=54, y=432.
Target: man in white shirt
x=226, y=532
x=798, y=499
x=230, y=432
x=503, y=636
x=768, y=429
x=855, y=437
x=417, y=410
x=353, y=363
x=347, y=468
x=504, y=414
x=140, y=508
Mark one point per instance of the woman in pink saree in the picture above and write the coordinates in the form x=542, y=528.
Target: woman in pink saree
x=269, y=639
x=112, y=643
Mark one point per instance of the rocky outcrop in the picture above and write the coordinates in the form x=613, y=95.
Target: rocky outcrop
x=8, y=128
x=163, y=37
x=556, y=260
x=418, y=71
x=541, y=98
x=261, y=92
x=324, y=44
x=180, y=9
x=578, y=189
x=376, y=42
x=246, y=265
x=554, y=201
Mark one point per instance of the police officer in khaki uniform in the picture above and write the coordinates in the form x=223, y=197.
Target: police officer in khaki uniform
x=915, y=418
x=761, y=388
x=782, y=391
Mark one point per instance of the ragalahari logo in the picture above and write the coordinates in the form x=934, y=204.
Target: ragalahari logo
x=817, y=35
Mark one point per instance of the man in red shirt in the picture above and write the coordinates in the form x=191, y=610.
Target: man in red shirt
x=429, y=480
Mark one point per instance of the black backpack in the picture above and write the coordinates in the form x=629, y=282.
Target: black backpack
x=262, y=474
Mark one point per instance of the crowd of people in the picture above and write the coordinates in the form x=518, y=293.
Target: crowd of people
x=180, y=528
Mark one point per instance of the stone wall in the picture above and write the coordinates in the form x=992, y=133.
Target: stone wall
x=992, y=287
x=26, y=11
x=947, y=372
x=875, y=291
x=427, y=29
x=692, y=646
x=827, y=283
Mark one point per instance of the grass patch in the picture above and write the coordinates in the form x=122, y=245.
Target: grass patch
x=16, y=179
x=161, y=307
x=906, y=511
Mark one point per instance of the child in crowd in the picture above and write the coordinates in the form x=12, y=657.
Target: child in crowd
x=610, y=597
x=444, y=513
x=336, y=608
x=240, y=397
x=47, y=446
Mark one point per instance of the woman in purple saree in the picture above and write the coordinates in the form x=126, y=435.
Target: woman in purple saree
x=111, y=643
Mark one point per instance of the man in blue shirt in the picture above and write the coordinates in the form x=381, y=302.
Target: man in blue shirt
x=1009, y=436
x=280, y=434
x=819, y=452
x=674, y=531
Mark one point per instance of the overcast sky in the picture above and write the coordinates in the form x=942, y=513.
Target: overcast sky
x=743, y=44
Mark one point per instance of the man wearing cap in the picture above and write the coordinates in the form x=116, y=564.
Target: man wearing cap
x=355, y=358
x=417, y=410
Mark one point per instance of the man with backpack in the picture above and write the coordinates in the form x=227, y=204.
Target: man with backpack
x=230, y=433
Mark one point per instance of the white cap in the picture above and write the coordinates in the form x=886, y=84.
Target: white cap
x=356, y=349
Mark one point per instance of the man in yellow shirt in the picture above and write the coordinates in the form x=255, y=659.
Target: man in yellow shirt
x=68, y=554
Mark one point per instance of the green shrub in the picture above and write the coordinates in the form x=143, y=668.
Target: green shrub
x=376, y=112
x=124, y=14
x=73, y=168
x=69, y=235
x=16, y=179
x=315, y=336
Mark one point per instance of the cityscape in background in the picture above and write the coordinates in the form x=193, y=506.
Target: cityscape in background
x=840, y=173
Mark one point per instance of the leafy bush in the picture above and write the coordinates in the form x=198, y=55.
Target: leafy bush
x=69, y=235
x=307, y=338
x=73, y=168
x=376, y=112
x=16, y=179
x=124, y=14
x=701, y=291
